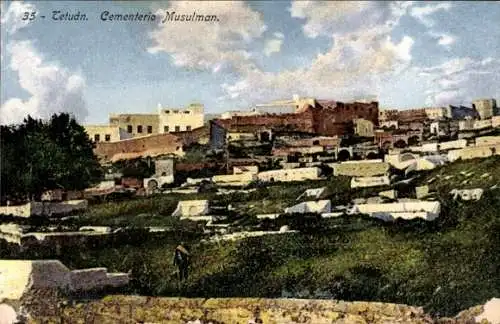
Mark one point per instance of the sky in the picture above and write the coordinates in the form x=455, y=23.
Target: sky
x=405, y=54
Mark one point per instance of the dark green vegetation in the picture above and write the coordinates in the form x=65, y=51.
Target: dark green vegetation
x=446, y=266
x=38, y=155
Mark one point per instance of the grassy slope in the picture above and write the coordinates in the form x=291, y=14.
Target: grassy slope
x=446, y=266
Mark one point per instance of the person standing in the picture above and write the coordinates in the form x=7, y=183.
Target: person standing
x=181, y=260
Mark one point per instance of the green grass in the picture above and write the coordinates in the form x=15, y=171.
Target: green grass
x=446, y=266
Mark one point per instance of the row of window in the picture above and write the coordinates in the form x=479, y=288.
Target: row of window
x=97, y=137
x=166, y=129
x=177, y=111
x=139, y=129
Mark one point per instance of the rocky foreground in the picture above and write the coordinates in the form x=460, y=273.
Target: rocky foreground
x=135, y=309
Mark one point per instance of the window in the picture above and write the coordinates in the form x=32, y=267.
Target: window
x=129, y=129
x=107, y=137
x=150, y=129
x=188, y=128
x=139, y=129
x=97, y=137
x=187, y=112
x=177, y=128
x=165, y=129
x=167, y=111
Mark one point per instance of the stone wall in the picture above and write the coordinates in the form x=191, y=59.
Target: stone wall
x=245, y=310
x=321, y=206
x=239, y=178
x=495, y=121
x=290, y=174
x=19, y=276
x=364, y=182
x=443, y=146
x=472, y=153
x=360, y=168
x=428, y=210
x=191, y=208
x=327, y=118
x=199, y=135
x=487, y=140
x=141, y=309
x=44, y=208
x=160, y=143
x=285, y=151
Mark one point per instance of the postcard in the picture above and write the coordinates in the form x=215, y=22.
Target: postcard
x=249, y=162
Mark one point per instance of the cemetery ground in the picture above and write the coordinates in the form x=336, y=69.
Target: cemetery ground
x=445, y=266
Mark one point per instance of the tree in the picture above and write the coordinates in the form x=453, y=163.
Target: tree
x=40, y=155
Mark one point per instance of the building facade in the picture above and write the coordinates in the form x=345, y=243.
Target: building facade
x=486, y=108
x=106, y=133
x=171, y=120
x=363, y=128
x=327, y=118
x=136, y=125
x=436, y=113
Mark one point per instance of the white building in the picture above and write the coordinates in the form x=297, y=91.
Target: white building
x=180, y=120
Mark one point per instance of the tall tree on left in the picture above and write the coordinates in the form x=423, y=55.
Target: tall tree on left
x=40, y=155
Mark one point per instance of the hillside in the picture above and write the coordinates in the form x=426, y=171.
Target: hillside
x=444, y=266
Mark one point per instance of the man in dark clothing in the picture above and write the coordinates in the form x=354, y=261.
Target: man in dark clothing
x=181, y=260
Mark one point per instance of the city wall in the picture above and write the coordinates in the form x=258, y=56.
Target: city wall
x=328, y=118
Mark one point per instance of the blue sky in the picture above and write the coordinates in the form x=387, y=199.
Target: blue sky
x=406, y=54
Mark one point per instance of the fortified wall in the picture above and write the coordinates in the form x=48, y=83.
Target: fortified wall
x=154, y=144
x=327, y=118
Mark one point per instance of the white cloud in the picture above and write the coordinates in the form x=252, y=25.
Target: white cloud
x=12, y=18
x=332, y=17
x=361, y=57
x=443, y=39
x=279, y=35
x=423, y=13
x=52, y=88
x=460, y=80
x=274, y=45
x=213, y=44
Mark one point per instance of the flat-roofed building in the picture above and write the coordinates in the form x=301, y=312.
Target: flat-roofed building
x=173, y=120
x=106, y=133
x=136, y=125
